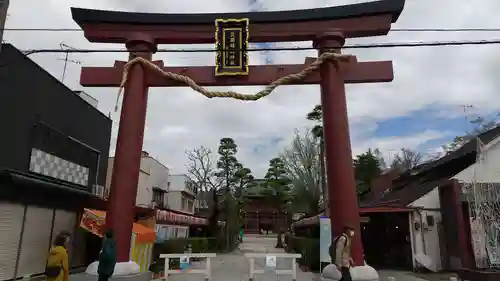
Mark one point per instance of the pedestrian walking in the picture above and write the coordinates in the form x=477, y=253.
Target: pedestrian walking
x=340, y=252
x=242, y=233
x=107, y=257
x=57, y=268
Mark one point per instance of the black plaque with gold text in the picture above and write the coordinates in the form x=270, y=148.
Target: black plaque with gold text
x=231, y=40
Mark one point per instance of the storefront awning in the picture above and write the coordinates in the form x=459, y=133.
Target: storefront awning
x=176, y=218
x=94, y=221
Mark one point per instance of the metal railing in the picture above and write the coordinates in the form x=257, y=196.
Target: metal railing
x=207, y=271
x=251, y=264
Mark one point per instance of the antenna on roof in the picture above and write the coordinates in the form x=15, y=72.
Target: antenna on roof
x=465, y=107
x=66, y=59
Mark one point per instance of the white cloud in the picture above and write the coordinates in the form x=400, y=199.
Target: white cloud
x=179, y=118
x=389, y=146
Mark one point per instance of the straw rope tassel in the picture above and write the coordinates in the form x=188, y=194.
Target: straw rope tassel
x=294, y=77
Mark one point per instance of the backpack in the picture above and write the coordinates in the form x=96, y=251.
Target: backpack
x=333, y=248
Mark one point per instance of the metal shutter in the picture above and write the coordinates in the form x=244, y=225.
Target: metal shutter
x=64, y=221
x=35, y=241
x=11, y=223
x=79, y=256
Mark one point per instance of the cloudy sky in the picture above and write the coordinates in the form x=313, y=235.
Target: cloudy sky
x=422, y=109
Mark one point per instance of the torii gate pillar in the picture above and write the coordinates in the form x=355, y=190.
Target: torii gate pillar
x=340, y=174
x=127, y=161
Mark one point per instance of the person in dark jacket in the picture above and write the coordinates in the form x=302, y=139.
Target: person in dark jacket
x=107, y=257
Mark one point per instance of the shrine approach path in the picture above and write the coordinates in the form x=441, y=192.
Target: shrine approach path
x=234, y=266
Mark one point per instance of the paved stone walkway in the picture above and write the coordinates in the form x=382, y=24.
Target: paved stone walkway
x=234, y=266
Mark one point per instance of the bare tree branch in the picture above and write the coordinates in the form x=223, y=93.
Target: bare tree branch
x=200, y=167
x=407, y=159
x=302, y=163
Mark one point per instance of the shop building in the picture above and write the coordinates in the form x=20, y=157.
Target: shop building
x=55, y=155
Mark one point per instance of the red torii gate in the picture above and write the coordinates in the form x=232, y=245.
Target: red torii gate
x=326, y=27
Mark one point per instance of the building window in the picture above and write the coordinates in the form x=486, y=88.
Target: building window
x=190, y=206
x=158, y=196
x=183, y=204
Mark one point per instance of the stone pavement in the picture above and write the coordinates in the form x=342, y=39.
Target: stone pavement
x=234, y=266
x=384, y=275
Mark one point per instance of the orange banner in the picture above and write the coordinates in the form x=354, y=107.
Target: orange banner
x=93, y=223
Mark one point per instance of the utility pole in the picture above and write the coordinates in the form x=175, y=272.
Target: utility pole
x=4, y=6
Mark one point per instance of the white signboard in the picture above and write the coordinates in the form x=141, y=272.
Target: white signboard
x=184, y=262
x=325, y=239
x=271, y=262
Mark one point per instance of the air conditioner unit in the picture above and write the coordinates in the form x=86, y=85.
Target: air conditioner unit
x=106, y=192
x=99, y=191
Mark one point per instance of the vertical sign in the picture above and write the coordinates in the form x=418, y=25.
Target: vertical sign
x=325, y=239
x=4, y=6
x=231, y=41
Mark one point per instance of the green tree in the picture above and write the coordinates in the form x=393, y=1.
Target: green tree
x=243, y=180
x=227, y=166
x=380, y=157
x=479, y=126
x=366, y=169
x=316, y=115
x=277, y=192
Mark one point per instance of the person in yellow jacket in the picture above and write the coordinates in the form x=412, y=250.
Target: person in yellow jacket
x=57, y=268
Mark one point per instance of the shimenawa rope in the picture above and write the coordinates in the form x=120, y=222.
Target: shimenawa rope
x=228, y=94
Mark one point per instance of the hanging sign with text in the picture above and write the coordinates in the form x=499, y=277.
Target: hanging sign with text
x=231, y=41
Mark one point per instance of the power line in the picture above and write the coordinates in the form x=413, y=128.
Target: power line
x=146, y=29
x=357, y=46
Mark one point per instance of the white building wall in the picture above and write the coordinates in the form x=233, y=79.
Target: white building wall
x=487, y=170
x=425, y=242
x=181, y=189
x=152, y=174
x=174, y=200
